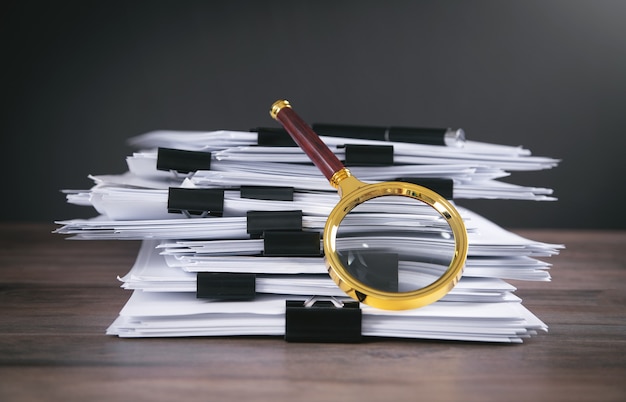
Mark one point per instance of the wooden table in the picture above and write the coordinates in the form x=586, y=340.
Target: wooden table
x=57, y=297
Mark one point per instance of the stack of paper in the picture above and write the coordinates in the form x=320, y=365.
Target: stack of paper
x=179, y=247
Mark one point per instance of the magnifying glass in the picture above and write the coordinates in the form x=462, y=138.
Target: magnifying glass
x=390, y=245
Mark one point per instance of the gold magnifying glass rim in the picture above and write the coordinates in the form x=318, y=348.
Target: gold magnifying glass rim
x=359, y=192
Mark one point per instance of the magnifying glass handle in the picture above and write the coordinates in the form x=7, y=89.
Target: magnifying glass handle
x=307, y=139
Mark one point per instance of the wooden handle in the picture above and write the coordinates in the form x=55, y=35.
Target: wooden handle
x=306, y=138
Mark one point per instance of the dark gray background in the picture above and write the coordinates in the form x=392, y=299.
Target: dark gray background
x=79, y=77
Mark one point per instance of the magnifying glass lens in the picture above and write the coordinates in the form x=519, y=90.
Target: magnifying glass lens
x=394, y=244
x=391, y=245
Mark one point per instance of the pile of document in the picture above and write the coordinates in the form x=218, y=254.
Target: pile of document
x=239, y=175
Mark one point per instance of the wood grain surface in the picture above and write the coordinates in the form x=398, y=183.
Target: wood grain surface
x=58, y=296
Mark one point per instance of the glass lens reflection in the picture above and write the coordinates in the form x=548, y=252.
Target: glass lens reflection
x=395, y=244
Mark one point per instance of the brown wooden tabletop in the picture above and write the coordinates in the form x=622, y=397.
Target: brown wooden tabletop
x=58, y=296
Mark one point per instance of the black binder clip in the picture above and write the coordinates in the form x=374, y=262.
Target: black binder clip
x=181, y=162
x=273, y=137
x=225, y=286
x=291, y=244
x=199, y=202
x=323, y=320
x=368, y=155
x=259, y=222
x=413, y=135
x=444, y=187
x=377, y=269
x=267, y=193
